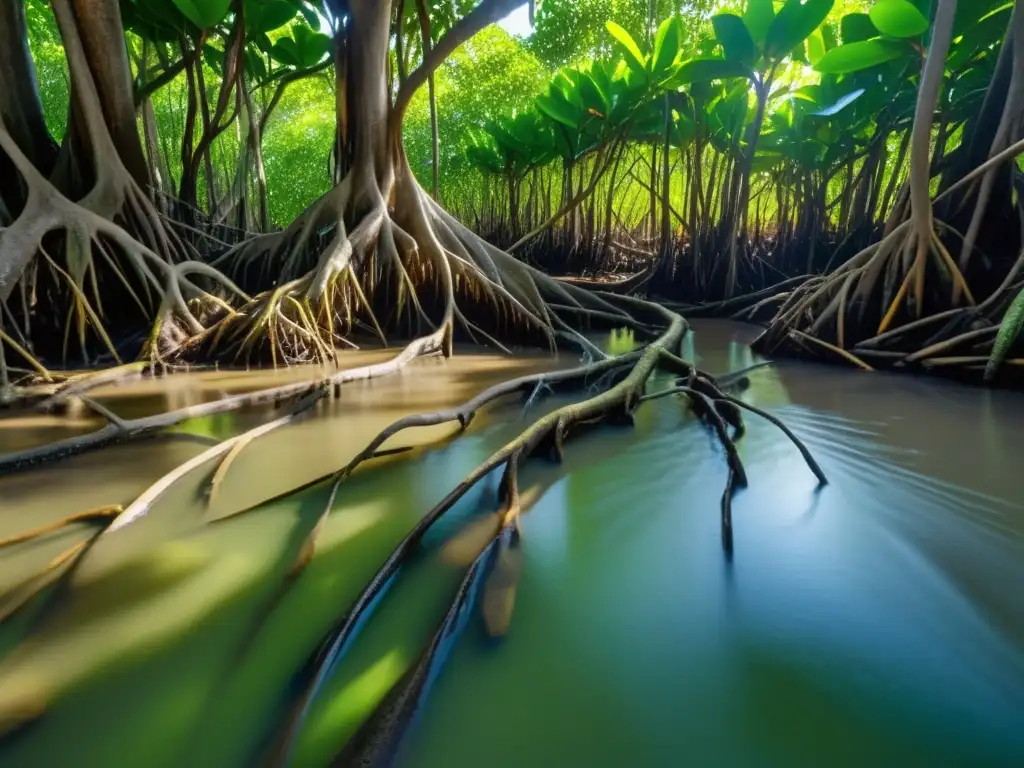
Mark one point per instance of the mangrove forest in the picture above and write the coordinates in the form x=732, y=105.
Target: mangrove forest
x=511, y=382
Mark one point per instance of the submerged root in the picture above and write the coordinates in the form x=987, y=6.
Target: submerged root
x=545, y=438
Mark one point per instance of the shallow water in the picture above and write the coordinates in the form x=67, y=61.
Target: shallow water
x=878, y=621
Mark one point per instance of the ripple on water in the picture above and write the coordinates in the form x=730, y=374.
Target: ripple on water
x=874, y=622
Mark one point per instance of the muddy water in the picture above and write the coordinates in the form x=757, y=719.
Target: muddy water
x=879, y=621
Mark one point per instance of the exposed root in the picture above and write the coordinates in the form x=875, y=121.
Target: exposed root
x=133, y=429
x=905, y=301
x=99, y=515
x=545, y=438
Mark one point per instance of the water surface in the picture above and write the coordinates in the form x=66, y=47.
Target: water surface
x=878, y=621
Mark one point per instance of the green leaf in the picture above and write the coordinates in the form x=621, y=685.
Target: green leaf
x=627, y=42
x=286, y=52
x=311, y=46
x=214, y=58
x=205, y=14
x=700, y=70
x=554, y=105
x=310, y=15
x=261, y=41
x=758, y=19
x=815, y=47
x=1009, y=330
x=592, y=96
x=857, y=27
x=735, y=38
x=267, y=15
x=988, y=31
x=766, y=161
x=828, y=36
x=666, y=45
x=857, y=56
x=898, y=18
x=156, y=20
x=254, y=64
x=794, y=24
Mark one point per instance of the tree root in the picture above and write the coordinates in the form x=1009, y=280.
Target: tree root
x=99, y=515
x=909, y=277
x=441, y=278
x=133, y=429
x=545, y=438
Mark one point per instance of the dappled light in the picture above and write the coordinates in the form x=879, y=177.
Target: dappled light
x=511, y=382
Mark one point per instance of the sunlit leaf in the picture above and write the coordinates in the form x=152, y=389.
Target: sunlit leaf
x=555, y=106
x=898, y=18
x=793, y=24
x=666, y=45
x=758, y=19
x=627, y=42
x=857, y=56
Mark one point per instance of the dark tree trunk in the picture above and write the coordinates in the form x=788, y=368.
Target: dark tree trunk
x=21, y=110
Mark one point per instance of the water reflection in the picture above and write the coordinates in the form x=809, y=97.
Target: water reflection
x=873, y=622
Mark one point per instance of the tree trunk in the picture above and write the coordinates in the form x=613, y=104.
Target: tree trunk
x=425, y=30
x=255, y=142
x=98, y=24
x=21, y=110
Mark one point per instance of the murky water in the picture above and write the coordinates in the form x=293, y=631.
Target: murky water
x=878, y=622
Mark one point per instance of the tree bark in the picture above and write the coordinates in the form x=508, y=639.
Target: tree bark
x=425, y=30
x=99, y=27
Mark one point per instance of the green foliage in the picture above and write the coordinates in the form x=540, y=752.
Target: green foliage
x=735, y=38
x=159, y=20
x=305, y=47
x=700, y=70
x=205, y=14
x=832, y=75
x=636, y=59
x=898, y=18
x=793, y=24
x=758, y=19
x=857, y=56
x=666, y=47
x=262, y=16
x=857, y=27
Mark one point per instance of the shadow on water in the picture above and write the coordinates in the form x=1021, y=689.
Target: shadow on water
x=872, y=622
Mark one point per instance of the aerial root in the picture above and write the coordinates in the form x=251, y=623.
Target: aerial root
x=152, y=260
x=545, y=438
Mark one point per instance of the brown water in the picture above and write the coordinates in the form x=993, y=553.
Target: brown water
x=880, y=621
